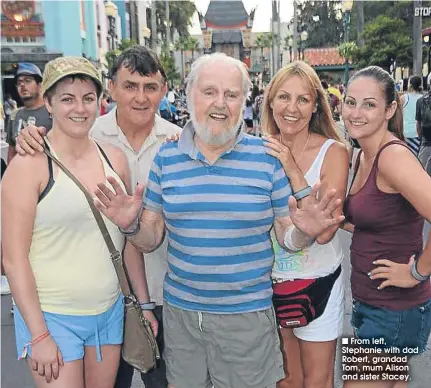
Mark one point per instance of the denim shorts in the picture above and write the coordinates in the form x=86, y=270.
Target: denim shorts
x=72, y=333
x=402, y=329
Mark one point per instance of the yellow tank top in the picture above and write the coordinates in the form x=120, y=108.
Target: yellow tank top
x=71, y=263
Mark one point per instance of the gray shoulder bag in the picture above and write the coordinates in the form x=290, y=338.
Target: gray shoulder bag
x=139, y=344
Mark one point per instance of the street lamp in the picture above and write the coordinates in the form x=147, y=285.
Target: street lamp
x=304, y=37
x=347, y=8
x=146, y=33
x=111, y=11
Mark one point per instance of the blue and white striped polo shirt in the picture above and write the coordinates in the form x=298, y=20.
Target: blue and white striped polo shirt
x=218, y=219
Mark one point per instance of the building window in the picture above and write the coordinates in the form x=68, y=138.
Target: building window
x=32, y=39
x=9, y=39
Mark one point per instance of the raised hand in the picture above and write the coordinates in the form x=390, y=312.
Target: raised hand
x=315, y=214
x=121, y=208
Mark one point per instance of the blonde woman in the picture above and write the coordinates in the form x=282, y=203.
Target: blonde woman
x=301, y=133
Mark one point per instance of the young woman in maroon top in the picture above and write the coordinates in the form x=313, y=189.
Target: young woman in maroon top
x=385, y=210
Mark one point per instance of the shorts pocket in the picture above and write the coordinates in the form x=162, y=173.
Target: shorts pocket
x=374, y=322
x=270, y=316
x=423, y=313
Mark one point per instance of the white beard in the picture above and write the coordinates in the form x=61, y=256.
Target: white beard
x=209, y=137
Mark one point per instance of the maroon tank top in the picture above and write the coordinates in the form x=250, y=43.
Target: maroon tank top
x=387, y=226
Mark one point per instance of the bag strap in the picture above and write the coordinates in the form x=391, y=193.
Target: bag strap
x=115, y=255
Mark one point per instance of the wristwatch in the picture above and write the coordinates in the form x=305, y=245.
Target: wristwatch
x=416, y=274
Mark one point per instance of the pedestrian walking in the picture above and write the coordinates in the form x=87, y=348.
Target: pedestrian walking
x=69, y=309
x=301, y=133
x=388, y=200
x=217, y=194
x=409, y=101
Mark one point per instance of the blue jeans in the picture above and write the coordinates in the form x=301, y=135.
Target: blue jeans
x=402, y=329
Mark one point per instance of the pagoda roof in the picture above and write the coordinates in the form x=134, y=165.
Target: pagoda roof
x=226, y=13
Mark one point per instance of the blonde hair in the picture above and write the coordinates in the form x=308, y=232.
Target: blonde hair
x=321, y=121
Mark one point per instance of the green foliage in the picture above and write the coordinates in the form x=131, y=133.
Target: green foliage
x=348, y=50
x=386, y=39
x=323, y=22
x=263, y=40
x=112, y=55
x=186, y=43
x=192, y=45
x=403, y=10
x=180, y=18
x=168, y=63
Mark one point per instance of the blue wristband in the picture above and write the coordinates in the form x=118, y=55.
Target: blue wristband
x=147, y=306
x=305, y=192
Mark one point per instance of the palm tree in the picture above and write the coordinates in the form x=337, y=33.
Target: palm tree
x=192, y=45
x=263, y=41
x=181, y=45
x=180, y=17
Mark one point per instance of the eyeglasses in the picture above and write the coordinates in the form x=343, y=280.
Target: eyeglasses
x=24, y=81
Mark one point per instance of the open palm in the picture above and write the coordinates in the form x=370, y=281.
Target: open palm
x=121, y=208
x=315, y=215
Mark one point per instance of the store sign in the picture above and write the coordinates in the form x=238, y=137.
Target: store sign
x=18, y=11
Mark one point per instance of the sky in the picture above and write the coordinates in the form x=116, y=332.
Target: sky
x=262, y=15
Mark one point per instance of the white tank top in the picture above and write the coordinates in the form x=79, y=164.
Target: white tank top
x=317, y=260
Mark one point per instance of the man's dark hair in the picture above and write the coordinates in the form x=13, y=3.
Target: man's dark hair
x=140, y=59
x=324, y=84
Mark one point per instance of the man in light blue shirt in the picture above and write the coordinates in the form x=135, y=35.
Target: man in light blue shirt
x=218, y=194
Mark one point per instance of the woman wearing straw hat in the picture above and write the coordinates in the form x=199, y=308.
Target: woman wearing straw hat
x=69, y=310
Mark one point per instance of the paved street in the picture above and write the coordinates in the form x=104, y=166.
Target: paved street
x=15, y=374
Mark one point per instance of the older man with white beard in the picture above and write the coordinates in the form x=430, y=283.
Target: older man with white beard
x=218, y=193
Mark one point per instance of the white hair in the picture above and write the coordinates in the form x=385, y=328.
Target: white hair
x=211, y=58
